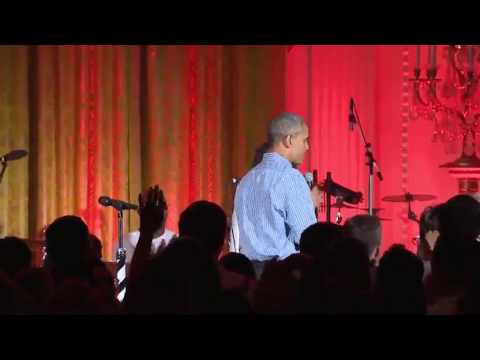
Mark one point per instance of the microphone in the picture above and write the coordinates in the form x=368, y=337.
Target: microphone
x=13, y=155
x=309, y=179
x=351, y=116
x=312, y=181
x=117, y=204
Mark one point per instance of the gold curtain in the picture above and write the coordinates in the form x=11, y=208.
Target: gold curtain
x=115, y=119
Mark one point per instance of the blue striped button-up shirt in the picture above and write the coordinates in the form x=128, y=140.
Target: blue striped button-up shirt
x=273, y=206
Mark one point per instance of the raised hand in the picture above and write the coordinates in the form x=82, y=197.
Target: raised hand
x=152, y=215
x=152, y=210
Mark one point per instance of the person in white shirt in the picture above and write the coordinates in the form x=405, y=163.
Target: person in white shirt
x=161, y=238
x=160, y=241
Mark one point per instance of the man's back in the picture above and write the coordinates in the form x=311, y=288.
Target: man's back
x=273, y=206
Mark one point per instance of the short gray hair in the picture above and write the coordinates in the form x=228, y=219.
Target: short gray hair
x=367, y=229
x=283, y=125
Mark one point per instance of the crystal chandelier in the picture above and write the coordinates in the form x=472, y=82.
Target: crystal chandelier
x=448, y=95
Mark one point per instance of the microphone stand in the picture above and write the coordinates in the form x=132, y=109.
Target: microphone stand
x=121, y=272
x=411, y=214
x=328, y=185
x=371, y=163
x=2, y=172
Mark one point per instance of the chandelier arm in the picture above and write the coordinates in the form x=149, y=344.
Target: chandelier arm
x=434, y=97
x=458, y=69
x=418, y=93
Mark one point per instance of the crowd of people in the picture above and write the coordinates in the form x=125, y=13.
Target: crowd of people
x=282, y=261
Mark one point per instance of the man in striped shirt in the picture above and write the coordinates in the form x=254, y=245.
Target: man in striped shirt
x=273, y=203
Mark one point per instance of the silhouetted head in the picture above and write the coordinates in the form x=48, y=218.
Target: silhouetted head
x=399, y=282
x=15, y=256
x=182, y=279
x=339, y=280
x=67, y=242
x=319, y=237
x=458, y=215
x=368, y=230
x=458, y=248
x=206, y=222
x=238, y=263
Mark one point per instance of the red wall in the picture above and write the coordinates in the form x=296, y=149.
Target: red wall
x=321, y=79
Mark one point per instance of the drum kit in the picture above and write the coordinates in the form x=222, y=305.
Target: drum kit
x=405, y=198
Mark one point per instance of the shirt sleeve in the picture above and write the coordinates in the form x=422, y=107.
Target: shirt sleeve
x=299, y=208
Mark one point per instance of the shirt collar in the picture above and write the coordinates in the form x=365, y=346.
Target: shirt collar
x=275, y=157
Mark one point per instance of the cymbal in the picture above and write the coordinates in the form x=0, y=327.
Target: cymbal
x=409, y=197
x=341, y=206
